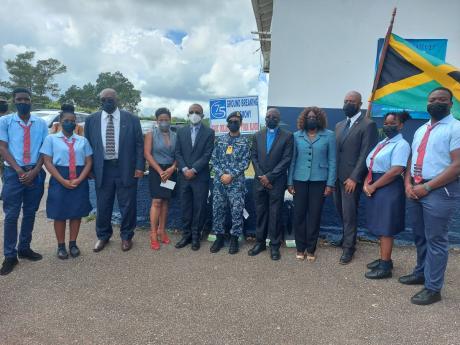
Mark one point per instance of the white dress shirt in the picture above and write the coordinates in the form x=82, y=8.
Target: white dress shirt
x=116, y=125
x=354, y=118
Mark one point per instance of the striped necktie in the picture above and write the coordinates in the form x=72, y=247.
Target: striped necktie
x=72, y=160
x=418, y=177
x=371, y=164
x=110, y=138
x=26, y=146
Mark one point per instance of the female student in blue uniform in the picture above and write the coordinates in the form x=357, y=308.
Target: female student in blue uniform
x=159, y=151
x=67, y=157
x=384, y=190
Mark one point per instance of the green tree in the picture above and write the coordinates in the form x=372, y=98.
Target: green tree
x=128, y=96
x=39, y=78
x=83, y=97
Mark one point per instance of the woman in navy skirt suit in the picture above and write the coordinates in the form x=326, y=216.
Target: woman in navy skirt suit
x=67, y=158
x=384, y=190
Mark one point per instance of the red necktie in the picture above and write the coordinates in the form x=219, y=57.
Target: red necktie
x=421, y=154
x=371, y=164
x=72, y=165
x=26, y=148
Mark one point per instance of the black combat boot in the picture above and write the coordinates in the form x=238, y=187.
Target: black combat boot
x=218, y=244
x=234, y=246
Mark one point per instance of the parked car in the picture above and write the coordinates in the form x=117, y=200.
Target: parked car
x=51, y=116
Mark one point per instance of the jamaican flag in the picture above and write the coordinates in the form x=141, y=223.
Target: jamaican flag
x=409, y=74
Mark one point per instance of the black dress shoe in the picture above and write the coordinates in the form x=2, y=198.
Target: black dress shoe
x=100, y=244
x=275, y=253
x=257, y=249
x=183, y=242
x=8, y=266
x=347, y=256
x=378, y=273
x=375, y=263
x=234, y=245
x=426, y=297
x=74, y=251
x=126, y=245
x=62, y=254
x=337, y=244
x=412, y=279
x=29, y=254
x=218, y=244
x=195, y=245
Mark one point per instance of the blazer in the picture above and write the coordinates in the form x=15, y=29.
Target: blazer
x=314, y=160
x=353, y=148
x=130, y=151
x=275, y=164
x=198, y=156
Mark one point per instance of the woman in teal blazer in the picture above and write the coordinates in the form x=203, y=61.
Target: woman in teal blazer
x=312, y=176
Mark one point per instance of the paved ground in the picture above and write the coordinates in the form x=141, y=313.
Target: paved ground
x=184, y=297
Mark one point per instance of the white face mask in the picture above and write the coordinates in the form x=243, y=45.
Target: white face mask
x=194, y=118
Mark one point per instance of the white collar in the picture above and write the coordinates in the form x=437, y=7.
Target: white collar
x=354, y=118
x=395, y=139
x=445, y=120
x=116, y=114
x=61, y=135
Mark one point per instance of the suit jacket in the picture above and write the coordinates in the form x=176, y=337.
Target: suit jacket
x=130, y=148
x=275, y=164
x=314, y=161
x=353, y=148
x=198, y=156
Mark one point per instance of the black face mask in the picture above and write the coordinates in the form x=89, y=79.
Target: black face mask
x=438, y=110
x=272, y=123
x=3, y=107
x=23, y=108
x=390, y=131
x=350, y=109
x=233, y=126
x=311, y=124
x=109, y=105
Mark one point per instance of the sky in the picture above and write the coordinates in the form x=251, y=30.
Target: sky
x=176, y=52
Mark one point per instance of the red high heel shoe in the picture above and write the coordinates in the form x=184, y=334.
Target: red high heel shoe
x=154, y=244
x=164, y=238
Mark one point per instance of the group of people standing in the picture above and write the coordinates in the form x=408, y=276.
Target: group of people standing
x=311, y=164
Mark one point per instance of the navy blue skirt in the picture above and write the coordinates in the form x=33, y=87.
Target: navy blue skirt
x=63, y=203
x=386, y=208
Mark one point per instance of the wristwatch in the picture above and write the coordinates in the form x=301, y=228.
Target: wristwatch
x=427, y=187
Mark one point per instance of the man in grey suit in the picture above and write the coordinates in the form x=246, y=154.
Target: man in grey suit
x=356, y=136
x=271, y=156
x=193, y=152
x=118, y=162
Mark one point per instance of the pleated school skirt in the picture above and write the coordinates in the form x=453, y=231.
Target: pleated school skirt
x=63, y=203
x=386, y=208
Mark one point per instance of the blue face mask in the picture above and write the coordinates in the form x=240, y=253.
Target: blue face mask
x=109, y=105
x=69, y=126
x=23, y=108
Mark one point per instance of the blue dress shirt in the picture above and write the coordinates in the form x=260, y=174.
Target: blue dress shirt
x=395, y=153
x=271, y=135
x=55, y=147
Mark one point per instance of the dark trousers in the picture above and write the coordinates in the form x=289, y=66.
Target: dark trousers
x=430, y=217
x=193, y=199
x=16, y=195
x=127, y=201
x=308, y=204
x=269, y=203
x=347, y=207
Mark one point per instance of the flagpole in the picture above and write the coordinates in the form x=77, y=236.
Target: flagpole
x=383, y=55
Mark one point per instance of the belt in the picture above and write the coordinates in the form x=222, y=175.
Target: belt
x=112, y=162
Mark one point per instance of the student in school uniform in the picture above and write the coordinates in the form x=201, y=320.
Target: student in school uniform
x=21, y=136
x=67, y=158
x=384, y=190
x=433, y=190
x=159, y=151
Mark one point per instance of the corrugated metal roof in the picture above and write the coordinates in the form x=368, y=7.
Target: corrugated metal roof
x=263, y=11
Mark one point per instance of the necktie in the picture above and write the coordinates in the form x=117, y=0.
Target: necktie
x=72, y=164
x=346, y=129
x=110, y=138
x=26, y=147
x=421, y=154
x=371, y=164
x=193, y=135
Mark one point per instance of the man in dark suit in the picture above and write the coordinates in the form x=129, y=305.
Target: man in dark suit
x=118, y=162
x=356, y=136
x=193, y=151
x=271, y=156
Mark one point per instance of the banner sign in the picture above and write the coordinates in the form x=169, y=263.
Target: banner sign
x=248, y=107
